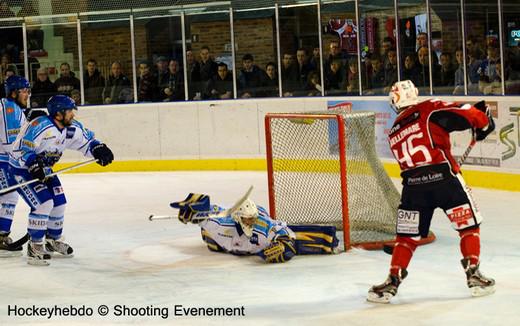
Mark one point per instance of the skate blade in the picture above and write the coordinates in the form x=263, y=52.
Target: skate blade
x=375, y=298
x=9, y=253
x=37, y=262
x=60, y=256
x=480, y=291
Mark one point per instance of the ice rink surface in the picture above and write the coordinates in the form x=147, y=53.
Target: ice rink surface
x=121, y=258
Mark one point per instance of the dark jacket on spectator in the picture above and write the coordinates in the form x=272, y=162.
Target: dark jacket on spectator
x=175, y=82
x=65, y=85
x=193, y=79
x=147, y=88
x=390, y=75
x=41, y=92
x=335, y=82
x=94, y=86
x=207, y=70
x=290, y=79
x=377, y=80
x=446, y=77
x=411, y=74
x=161, y=80
x=250, y=81
x=218, y=86
x=118, y=89
x=269, y=87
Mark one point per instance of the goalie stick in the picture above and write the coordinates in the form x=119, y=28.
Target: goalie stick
x=201, y=216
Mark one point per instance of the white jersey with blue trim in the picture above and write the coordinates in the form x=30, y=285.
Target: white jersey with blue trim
x=42, y=137
x=228, y=234
x=12, y=121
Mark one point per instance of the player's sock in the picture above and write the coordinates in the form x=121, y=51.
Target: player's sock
x=470, y=244
x=402, y=254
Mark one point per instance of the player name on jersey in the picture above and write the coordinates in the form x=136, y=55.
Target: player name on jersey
x=409, y=130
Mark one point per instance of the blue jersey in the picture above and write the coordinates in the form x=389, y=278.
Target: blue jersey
x=12, y=121
x=228, y=235
x=41, y=137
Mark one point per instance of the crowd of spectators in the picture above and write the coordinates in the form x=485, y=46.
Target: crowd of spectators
x=162, y=79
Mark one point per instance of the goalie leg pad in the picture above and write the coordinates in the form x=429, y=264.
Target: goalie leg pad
x=314, y=239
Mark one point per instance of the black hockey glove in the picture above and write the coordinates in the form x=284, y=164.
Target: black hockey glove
x=102, y=154
x=37, y=169
x=482, y=133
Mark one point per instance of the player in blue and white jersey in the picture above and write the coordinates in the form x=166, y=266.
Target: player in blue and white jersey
x=12, y=107
x=37, y=148
x=249, y=230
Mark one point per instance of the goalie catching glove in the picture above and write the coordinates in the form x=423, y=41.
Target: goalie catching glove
x=193, y=204
x=280, y=250
x=482, y=133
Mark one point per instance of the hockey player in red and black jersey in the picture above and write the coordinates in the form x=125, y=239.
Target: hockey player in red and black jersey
x=420, y=142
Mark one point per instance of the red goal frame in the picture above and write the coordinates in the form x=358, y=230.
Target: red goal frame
x=301, y=118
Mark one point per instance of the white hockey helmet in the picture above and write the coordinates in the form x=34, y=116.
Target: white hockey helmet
x=247, y=210
x=403, y=94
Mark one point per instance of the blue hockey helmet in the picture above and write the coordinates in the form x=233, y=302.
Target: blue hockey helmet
x=14, y=83
x=60, y=103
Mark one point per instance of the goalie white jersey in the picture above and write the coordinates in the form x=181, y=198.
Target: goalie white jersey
x=224, y=234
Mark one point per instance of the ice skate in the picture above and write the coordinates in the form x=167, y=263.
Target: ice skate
x=384, y=292
x=478, y=284
x=58, y=248
x=37, y=255
x=5, y=250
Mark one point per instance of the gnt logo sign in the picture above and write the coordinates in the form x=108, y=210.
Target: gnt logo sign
x=515, y=33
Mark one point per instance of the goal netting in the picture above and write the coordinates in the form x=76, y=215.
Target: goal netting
x=323, y=169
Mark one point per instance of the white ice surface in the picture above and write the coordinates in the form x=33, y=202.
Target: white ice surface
x=121, y=258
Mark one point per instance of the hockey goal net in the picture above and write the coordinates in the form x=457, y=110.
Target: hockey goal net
x=323, y=169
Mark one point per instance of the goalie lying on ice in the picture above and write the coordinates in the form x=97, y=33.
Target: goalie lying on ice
x=247, y=229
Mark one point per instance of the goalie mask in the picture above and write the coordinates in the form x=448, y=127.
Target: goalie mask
x=402, y=95
x=246, y=215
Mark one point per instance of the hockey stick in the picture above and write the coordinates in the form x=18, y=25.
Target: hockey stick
x=13, y=246
x=469, y=148
x=22, y=184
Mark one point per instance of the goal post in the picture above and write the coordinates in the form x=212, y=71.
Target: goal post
x=323, y=169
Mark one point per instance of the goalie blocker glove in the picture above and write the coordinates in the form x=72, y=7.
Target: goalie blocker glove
x=193, y=204
x=482, y=133
x=102, y=154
